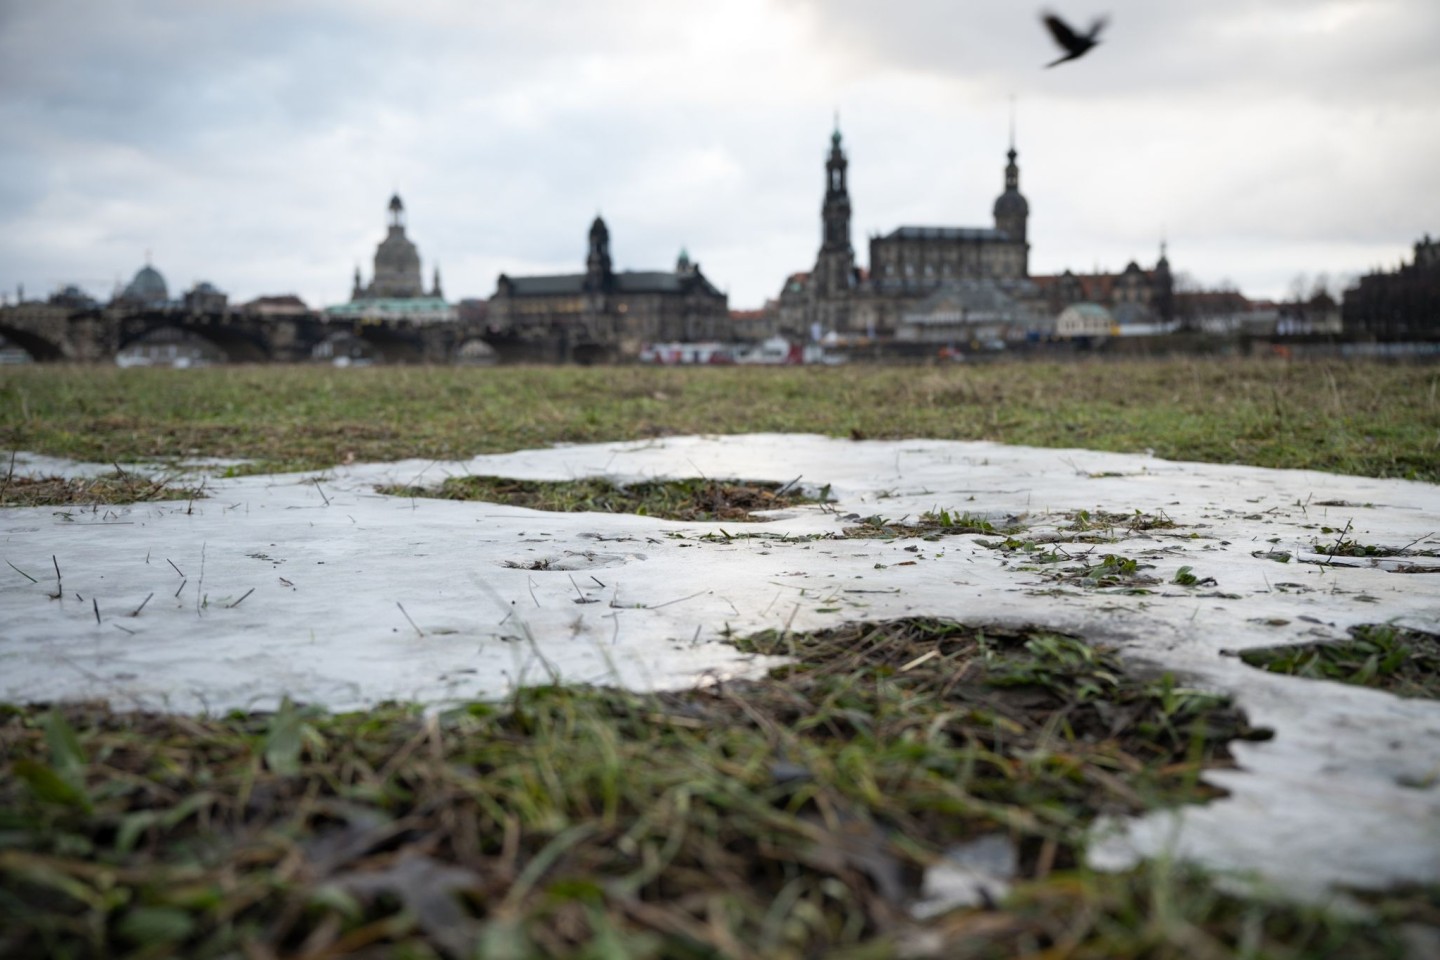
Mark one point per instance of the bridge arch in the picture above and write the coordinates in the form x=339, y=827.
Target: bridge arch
x=343, y=349
x=231, y=343
x=476, y=352
x=40, y=348
x=392, y=343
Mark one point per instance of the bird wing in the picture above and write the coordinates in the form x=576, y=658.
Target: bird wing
x=1097, y=25
x=1061, y=31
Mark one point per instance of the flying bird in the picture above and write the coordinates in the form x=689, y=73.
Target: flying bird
x=1075, y=44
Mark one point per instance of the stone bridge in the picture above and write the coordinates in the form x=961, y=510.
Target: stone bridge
x=50, y=333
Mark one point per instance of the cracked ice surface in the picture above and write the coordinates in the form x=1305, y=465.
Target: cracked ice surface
x=315, y=586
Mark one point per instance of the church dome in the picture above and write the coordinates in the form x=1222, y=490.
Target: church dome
x=397, y=263
x=1011, y=204
x=397, y=248
x=147, y=287
x=397, y=267
x=1011, y=209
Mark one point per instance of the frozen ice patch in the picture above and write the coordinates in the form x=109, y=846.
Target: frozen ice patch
x=318, y=587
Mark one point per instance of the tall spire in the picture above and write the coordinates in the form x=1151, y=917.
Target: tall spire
x=1012, y=210
x=1012, y=169
x=835, y=211
x=598, y=269
x=835, y=267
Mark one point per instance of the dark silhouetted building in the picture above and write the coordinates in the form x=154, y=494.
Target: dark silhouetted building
x=906, y=265
x=205, y=298
x=604, y=313
x=1400, y=305
x=943, y=284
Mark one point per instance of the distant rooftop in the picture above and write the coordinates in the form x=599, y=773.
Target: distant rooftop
x=628, y=281
x=421, y=309
x=945, y=233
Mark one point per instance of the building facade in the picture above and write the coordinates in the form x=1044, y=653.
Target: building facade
x=943, y=284
x=604, y=314
x=397, y=264
x=396, y=292
x=1135, y=295
x=1401, y=304
x=907, y=266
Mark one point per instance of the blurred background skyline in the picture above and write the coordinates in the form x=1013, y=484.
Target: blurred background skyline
x=255, y=145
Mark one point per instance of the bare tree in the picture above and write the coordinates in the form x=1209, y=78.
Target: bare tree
x=1299, y=287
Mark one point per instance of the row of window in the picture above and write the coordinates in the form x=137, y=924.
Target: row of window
x=997, y=266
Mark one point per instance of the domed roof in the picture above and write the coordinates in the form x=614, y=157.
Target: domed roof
x=397, y=246
x=1012, y=203
x=147, y=287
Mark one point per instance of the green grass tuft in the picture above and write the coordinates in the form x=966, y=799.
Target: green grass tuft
x=789, y=817
x=1402, y=661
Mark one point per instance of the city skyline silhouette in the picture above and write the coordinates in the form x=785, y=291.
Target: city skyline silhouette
x=252, y=146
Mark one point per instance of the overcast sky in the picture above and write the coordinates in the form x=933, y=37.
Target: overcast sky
x=255, y=144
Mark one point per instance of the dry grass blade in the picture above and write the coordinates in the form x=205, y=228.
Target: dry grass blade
x=787, y=817
x=701, y=499
x=119, y=488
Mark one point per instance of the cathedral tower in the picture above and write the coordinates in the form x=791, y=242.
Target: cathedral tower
x=835, y=267
x=598, y=271
x=1012, y=212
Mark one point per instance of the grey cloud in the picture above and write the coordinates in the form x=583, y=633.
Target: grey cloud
x=254, y=144
x=1226, y=47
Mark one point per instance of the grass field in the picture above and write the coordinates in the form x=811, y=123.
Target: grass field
x=1361, y=418
x=791, y=817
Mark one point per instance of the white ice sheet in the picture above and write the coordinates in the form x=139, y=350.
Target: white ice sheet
x=316, y=587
